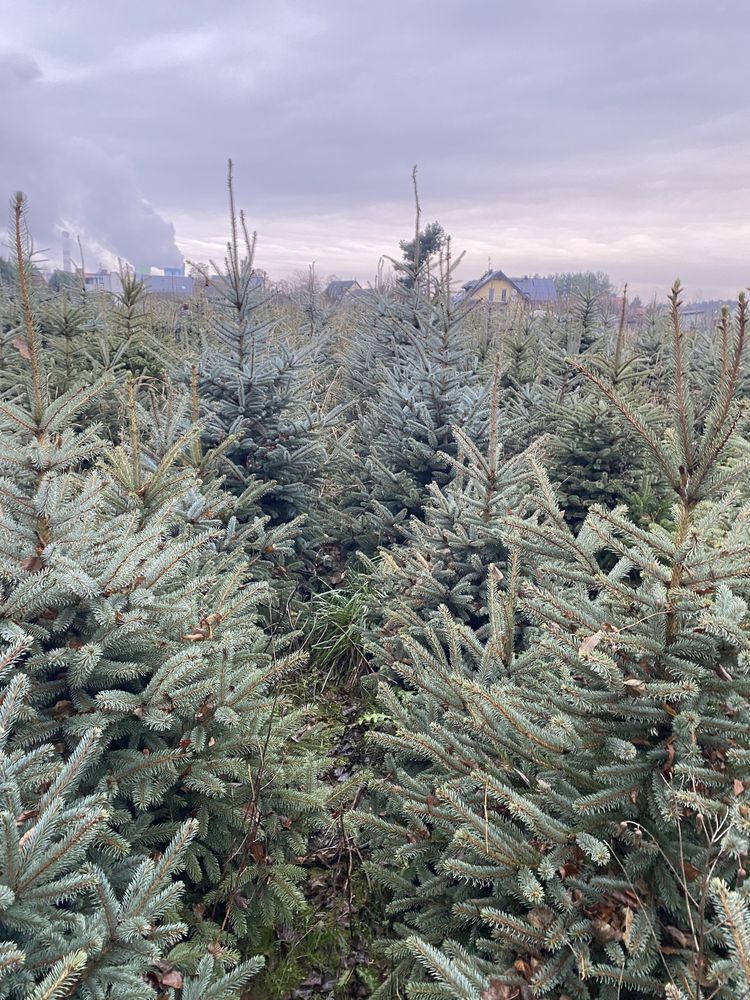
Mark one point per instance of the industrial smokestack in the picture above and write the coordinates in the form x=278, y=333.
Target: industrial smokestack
x=67, y=262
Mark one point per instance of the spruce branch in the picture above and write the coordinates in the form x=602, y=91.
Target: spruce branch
x=62, y=978
x=671, y=474
x=684, y=405
x=19, y=212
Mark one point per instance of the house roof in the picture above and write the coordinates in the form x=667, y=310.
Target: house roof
x=532, y=289
x=537, y=289
x=474, y=286
x=336, y=290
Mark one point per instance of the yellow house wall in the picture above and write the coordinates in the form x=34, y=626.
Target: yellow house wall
x=497, y=284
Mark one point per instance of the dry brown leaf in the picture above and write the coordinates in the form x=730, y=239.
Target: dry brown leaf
x=25, y=837
x=503, y=991
x=682, y=939
x=173, y=979
x=691, y=872
x=63, y=709
x=635, y=686
x=194, y=635
x=590, y=643
x=22, y=347
x=667, y=769
x=628, y=930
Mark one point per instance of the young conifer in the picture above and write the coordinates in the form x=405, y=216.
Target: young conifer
x=64, y=924
x=562, y=805
x=257, y=392
x=445, y=557
x=416, y=377
x=594, y=457
x=134, y=624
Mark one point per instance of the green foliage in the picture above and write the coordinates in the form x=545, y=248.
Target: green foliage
x=593, y=456
x=255, y=397
x=415, y=375
x=419, y=252
x=64, y=280
x=336, y=625
x=133, y=627
x=129, y=319
x=571, y=283
x=527, y=531
x=7, y=273
x=65, y=322
x=559, y=804
x=142, y=628
x=63, y=921
x=445, y=557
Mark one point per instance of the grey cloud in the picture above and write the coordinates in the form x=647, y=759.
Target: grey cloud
x=17, y=69
x=74, y=177
x=586, y=127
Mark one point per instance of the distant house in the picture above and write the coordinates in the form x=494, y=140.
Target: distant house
x=496, y=288
x=338, y=290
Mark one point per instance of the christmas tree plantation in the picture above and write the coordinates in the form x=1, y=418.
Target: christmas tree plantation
x=393, y=646
x=566, y=787
x=136, y=633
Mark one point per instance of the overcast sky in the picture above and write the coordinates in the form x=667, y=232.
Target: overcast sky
x=550, y=135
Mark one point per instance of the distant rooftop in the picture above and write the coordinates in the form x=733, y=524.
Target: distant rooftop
x=336, y=290
x=536, y=291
